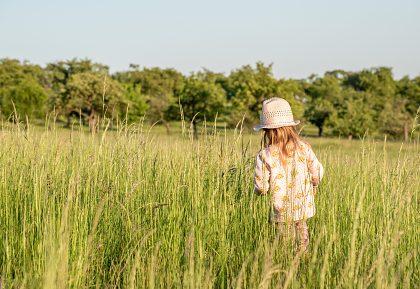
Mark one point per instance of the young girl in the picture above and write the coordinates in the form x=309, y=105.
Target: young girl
x=287, y=168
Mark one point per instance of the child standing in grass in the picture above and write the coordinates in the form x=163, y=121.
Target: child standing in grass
x=288, y=169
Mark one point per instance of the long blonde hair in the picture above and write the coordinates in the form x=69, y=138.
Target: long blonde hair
x=286, y=139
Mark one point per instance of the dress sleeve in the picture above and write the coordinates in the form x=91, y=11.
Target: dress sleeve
x=315, y=167
x=262, y=175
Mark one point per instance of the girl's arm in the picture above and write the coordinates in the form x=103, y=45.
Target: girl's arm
x=261, y=176
x=315, y=168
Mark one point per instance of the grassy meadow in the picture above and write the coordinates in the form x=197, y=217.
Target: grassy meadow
x=136, y=208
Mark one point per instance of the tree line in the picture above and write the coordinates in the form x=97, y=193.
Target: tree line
x=79, y=90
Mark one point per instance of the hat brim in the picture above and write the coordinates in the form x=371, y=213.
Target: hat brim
x=262, y=126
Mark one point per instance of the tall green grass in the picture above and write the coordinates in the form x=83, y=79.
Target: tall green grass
x=135, y=209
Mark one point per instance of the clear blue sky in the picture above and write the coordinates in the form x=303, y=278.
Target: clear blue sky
x=299, y=37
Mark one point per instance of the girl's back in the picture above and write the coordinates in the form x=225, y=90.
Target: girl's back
x=289, y=179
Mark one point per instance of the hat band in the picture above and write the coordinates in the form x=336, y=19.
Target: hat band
x=278, y=123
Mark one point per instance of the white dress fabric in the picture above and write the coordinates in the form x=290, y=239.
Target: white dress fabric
x=290, y=183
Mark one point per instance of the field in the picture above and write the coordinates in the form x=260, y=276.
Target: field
x=135, y=208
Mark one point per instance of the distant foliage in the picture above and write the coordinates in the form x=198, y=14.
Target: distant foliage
x=156, y=91
x=22, y=90
x=350, y=104
x=92, y=95
x=201, y=98
x=370, y=101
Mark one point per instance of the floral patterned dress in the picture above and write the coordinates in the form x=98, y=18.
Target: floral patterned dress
x=290, y=183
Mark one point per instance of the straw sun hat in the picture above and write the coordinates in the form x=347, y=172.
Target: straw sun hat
x=276, y=112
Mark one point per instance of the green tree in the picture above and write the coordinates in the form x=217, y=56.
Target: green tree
x=201, y=97
x=158, y=87
x=22, y=89
x=378, y=83
x=324, y=98
x=94, y=95
x=355, y=117
x=136, y=101
x=395, y=119
x=395, y=103
x=408, y=91
x=59, y=74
